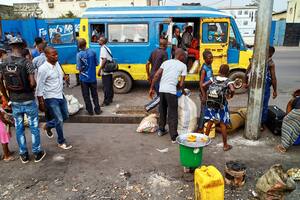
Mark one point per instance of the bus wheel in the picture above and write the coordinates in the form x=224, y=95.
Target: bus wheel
x=122, y=82
x=238, y=77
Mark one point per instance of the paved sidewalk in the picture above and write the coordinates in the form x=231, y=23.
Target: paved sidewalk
x=128, y=108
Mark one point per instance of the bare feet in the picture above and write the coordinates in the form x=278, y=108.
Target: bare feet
x=8, y=158
x=279, y=148
x=227, y=147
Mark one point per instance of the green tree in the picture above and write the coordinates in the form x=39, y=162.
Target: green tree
x=69, y=14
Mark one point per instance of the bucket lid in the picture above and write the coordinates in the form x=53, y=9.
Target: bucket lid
x=201, y=140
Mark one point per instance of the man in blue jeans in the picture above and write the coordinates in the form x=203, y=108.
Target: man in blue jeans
x=18, y=75
x=50, y=94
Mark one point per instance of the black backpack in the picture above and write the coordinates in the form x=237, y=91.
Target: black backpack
x=15, y=75
x=216, y=93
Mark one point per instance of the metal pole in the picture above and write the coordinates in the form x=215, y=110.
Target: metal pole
x=255, y=100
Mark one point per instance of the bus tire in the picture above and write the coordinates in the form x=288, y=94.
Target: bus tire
x=239, y=78
x=122, y=82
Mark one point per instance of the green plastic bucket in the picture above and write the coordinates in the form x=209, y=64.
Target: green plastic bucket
x=191, y=152
x=190, y=157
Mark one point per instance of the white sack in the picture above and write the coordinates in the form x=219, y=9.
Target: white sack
x=73, y=104
x=148, y=124
x=187, y=115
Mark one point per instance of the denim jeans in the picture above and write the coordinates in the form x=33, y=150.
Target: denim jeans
x=58, y=109
x=266, y=99
x=30, y=109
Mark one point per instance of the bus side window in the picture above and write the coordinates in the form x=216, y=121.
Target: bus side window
x=163, y=30
x=98, y=30
x=128, y=33
x=61, y=33
x=232, y=40
x=214, y=32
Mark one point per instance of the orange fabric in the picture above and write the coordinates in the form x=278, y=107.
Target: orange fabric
x=4, y=102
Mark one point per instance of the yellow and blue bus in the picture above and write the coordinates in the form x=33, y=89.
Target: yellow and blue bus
x=133, y=32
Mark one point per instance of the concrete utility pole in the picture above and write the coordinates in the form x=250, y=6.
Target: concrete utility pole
x=257, y=82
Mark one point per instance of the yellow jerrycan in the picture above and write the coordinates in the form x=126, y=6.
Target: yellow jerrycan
x=209, y=184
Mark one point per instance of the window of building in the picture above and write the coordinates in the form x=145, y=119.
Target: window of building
x=246, y=12
x=61, y=33
x=245, y=23
x=215, y=32
x=97, y=30
x=82, y=0
x=50, y=1
x=123, y=33
x=240, y=12
x=65, y=0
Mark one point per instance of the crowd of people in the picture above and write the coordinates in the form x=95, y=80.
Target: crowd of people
x=27, y=76
x=164, y=76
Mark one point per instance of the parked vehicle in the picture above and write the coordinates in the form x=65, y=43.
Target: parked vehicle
x=133, y=32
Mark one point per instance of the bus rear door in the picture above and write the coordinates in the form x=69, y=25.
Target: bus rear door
x=214, y=37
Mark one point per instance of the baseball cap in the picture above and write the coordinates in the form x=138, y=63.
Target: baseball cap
x=15, y=40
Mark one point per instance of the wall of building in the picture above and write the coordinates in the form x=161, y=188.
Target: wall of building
x=6, y=11
x=245, y=18
x=279, y=16
x=293, y=11
x=56, y=8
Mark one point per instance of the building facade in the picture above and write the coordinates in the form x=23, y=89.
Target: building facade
x=292, y=31
x=57, y=8
x=293, y=11
x=245, y=18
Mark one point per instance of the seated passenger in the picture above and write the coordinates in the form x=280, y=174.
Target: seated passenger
x=56, y=39
x=193, y=57
x=94, y=38
x=194, y=48
x=290, y=130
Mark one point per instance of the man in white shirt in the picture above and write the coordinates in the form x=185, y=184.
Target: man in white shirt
x=107, y=78
x=50, y=94
x=169, y=72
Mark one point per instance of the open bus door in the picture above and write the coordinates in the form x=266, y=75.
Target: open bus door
x=214, y=37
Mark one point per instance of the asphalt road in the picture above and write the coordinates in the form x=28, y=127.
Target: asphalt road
x=287, y=62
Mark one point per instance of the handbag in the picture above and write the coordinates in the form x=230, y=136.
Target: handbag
x=110, y=66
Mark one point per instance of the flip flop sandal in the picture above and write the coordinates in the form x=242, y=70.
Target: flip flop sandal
x=280, y=149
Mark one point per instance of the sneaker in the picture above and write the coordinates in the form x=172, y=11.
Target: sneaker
x=48, y=131
x=24, y=158
x=39, y=156
x=65, y=146
x=162, y=132
x=174, y=142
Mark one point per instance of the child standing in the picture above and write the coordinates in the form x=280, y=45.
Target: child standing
x=215, y=114
x=270, y=81
x=5, y=136
x=206, y=74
